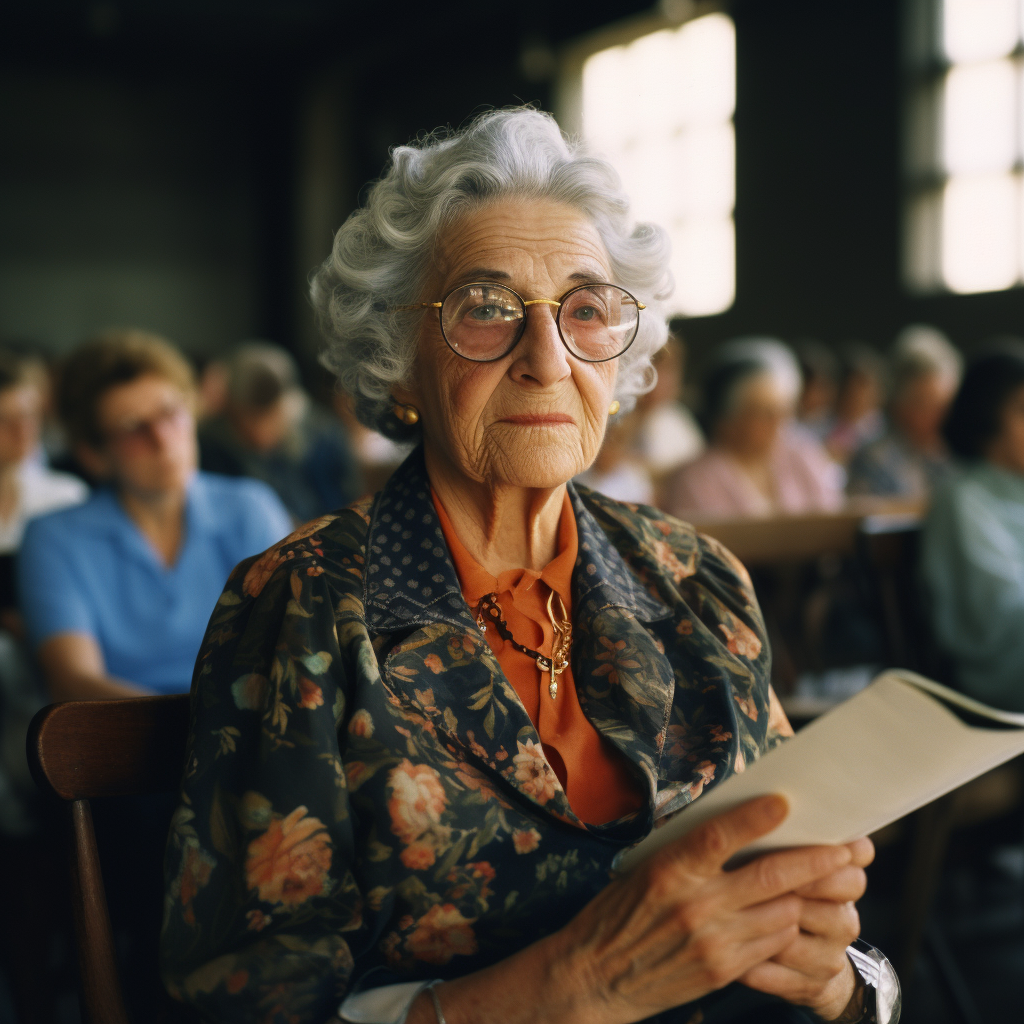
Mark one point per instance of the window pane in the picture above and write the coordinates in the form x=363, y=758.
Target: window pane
x=702, y=162
x=979, y=29
x=979, y=117
x=979, y=233
x=705, y=68
x=703, y=264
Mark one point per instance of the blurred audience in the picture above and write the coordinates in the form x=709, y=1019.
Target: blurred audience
x=815, y=409
x=378, y=456
x=911, y=457
x=756, y=463
x=270, y=430
x=973, y=547
x=27, y=486
x=667, y=435
x=858, y=418
x=117, y=592
x=616, y=471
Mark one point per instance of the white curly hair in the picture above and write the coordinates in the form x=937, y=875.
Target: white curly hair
x=382, y=252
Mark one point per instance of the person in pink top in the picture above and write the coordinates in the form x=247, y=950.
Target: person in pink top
x=759, y=461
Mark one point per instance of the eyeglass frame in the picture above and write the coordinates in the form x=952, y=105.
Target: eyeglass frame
x=557, y=303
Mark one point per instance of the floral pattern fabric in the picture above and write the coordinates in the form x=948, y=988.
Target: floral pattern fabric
x=365, y=799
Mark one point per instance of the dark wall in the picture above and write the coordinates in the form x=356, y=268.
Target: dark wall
x=182, y=166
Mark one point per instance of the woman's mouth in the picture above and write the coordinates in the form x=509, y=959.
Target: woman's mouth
x=538, y=419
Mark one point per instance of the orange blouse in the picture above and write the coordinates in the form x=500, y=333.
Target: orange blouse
x=595, y=775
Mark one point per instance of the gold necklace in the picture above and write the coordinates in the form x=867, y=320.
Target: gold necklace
x=561, y=641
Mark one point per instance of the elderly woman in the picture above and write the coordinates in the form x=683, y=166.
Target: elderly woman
x=911, y=458
x=424, y=726
x=759, y=463
x=973, y=544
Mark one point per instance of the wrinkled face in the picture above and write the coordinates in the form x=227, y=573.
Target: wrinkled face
x=149, y=436
x=751, y=430
x=922, y=405
x=536, y=417
x=1007, y=447
x=20, y=419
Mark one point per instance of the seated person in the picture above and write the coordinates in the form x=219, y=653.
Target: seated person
x=911, y=457
x=757, y=462
x=425, y=724
x=973, y=545
x=815, y=408
x=116, y=592
x=668, y=435
x=28, y=487
x=617, y=472
x=858, y=418
x=271, y=431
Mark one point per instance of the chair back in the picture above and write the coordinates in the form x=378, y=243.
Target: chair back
x=78, y=750
x=890, y=548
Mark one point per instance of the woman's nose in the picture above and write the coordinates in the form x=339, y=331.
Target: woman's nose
x=540, y=355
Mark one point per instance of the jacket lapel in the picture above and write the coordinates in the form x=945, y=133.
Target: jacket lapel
x=625, y=684
x=443, y=670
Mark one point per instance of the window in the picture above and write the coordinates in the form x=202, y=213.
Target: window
x=660, y=108
x=965, y=205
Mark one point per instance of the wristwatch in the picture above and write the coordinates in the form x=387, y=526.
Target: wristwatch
x=877, y=999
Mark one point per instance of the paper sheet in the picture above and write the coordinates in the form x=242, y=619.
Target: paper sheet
x=873, y=759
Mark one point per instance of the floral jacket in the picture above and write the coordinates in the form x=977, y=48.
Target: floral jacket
x=365, y=799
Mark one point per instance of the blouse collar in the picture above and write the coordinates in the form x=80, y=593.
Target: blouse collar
x=410, y=579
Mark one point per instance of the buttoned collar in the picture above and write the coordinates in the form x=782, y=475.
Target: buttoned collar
x=410, y=580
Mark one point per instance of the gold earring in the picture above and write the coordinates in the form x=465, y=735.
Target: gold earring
x=408, y=414
x=613, y=408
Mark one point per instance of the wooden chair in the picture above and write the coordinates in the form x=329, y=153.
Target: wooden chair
x=79, y=750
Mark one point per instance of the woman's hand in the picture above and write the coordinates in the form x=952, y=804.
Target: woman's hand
x=814, y=970
x=680, y=926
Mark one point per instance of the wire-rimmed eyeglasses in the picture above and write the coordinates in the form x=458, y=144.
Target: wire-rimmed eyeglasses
x=484, y=321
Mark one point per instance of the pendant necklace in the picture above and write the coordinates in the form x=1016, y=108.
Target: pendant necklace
x=488, y=610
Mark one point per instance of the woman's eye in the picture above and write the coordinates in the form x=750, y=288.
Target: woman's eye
x=490, y=313
x=585, y=313
x=485, y=313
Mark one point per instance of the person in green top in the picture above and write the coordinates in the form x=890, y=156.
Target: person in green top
x=972, y=558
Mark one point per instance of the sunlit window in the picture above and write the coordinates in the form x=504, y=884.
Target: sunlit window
x=965, y=209
x=660, y=108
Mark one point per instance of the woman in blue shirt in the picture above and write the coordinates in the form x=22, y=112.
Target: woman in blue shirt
x=973, y=550
x=116, y=592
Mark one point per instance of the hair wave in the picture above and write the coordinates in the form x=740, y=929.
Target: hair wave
x=381, y=254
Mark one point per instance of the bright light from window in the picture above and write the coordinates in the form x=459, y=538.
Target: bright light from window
x=979, y=29
x=660, y=108
x=965, y=226
x=980, y=113
x=979, y=233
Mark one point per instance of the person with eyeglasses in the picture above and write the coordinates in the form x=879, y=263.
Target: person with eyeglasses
x=116, y=592
x=425, y=725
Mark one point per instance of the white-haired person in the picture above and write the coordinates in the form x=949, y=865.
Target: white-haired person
x=424, y=726
x=911, y=457
x=758, y=463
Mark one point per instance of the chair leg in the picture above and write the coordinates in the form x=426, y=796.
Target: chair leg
x=99, y=984
x=950, y=975
x=932, y=826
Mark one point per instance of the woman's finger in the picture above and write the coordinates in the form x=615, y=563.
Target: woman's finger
x=839, y=922
x=848, y=883
x=776, y=873
x=813, y=957
x=709, y=846
x=863, y=852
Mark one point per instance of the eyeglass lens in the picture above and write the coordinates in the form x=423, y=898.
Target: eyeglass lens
x=485, y=321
